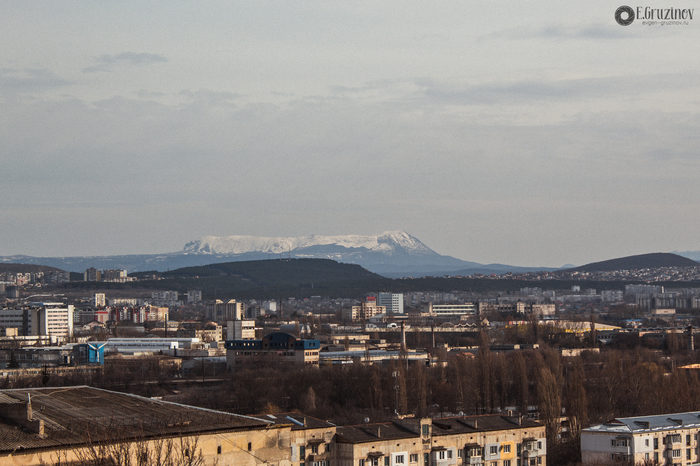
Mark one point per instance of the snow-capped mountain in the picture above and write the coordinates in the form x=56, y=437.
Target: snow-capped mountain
x=394, y=253
x=390, y=242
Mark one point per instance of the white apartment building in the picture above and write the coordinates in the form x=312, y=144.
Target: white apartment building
x=392, y=301
x=53, y=319
x=670, y=439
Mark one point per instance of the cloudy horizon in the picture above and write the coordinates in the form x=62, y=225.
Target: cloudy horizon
x=533, y=134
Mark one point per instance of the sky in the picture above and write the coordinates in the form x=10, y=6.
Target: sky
x=533, y=133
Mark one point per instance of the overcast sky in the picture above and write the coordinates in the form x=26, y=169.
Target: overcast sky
x=529, y=133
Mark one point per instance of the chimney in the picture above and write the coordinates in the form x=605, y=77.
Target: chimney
x=403, y=336
x=22, y=414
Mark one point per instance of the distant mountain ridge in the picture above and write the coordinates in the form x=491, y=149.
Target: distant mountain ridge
x=389, y=242
x=641, y=261
x=392, y=252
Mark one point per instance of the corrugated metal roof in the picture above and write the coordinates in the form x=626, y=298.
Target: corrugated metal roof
x=74, y=415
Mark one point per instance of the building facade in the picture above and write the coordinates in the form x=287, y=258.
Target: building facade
x=491, y=440
x=393, y=302
x=670, y=439
x=275, y=347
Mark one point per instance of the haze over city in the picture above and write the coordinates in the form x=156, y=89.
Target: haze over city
x=530, y=134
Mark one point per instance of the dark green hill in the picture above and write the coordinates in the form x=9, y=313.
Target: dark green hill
x=26, y=268
x=278, y=272
x=642, y=261
x=254, y=278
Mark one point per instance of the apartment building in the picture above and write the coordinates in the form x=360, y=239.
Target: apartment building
x=492, y=440
x=670, y=439
x=219, y=311
x=40, y=318
x=393, y=302
x=68, y=424
x=364, y=311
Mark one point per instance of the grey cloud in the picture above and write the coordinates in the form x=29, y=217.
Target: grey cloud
x=534, y=91
x=551, y=31
x=108, y=62
x=29, y=80
x=208, y=97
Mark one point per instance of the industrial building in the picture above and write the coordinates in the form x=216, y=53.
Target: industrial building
x=275, y=347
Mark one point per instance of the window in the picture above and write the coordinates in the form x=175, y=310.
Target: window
x=414, y=457
x=426, y=429
x=656, y=444
x=460, y=453
x=218, y=450
x=314, y=449
x=441, y=454
x=687, y=454
x=426, y=459
x=493, y=450
x=539, y=445
x=449, y=454
x=687, y=440
x=676, y=453
x=506, y=448
x=519, y=449
x=646, y=456
x=386, y=461
x=675, y=438
x=302, y=452
x=399, y=459
x=646, y=442
x=656, y=457
x=506, y=463
x=250, y=446
x=361, y=463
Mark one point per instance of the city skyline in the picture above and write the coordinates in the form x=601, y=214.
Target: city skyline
x=522, y=134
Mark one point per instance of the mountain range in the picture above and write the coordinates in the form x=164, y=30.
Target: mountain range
x=391, y=254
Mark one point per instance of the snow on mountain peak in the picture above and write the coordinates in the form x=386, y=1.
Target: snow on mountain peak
x=387, y=242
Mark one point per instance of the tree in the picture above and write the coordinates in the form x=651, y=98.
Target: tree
x=549, y=403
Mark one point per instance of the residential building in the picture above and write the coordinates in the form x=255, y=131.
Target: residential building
x=670, y=439
x=219, y=311
x=472, y=440
x=240, y=330
x=311, y=439
x=364, y=311
x=194, y=296
x=393, y=302
x=55, y=319
x=98, y=300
